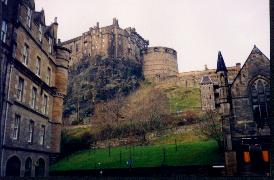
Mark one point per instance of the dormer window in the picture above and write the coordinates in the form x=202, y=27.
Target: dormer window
x=29, y=13
x=50, y=45
x=40, y=32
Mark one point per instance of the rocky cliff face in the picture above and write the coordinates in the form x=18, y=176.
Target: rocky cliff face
x=97, y=79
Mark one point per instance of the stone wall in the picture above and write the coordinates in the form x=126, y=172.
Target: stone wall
x=256, y=68
x=159, y=63
x=108, y=41
x=45, y=71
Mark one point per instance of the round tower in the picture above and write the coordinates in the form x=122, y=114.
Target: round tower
x=159, y=63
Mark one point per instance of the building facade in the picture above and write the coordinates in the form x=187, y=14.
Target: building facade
x=109, y=41
x=35, y=77
x=207, y=94
x=245, y=107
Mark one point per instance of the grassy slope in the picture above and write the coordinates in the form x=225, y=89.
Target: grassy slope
x=181, y=98
x=192, y=149
x=191, y=153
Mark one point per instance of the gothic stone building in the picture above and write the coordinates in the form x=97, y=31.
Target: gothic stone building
x=33, y=83
x=244, y=104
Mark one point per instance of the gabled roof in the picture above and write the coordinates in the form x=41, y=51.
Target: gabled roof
x=206, y=80
x=39, y=17
x=49, y=30
x=255, y=50
x=221, y=63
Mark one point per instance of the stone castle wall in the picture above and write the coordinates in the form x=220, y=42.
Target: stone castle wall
x=108, y=41
x=193, y=78
x=159, y=63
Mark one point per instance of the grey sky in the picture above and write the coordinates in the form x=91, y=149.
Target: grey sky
x=196, y=29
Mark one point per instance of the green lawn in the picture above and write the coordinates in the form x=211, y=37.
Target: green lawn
x=182, y=99
x=189, y=153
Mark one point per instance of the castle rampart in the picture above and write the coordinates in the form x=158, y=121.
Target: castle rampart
x=159, y=63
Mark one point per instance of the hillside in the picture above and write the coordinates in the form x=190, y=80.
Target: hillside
x=95, y=80
x=129, y=119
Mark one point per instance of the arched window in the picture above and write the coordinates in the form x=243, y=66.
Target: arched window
x=28, y=167
x=13, y=166
x=260, y=93
x=40, y=168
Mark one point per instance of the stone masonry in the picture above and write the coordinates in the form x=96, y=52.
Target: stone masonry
x=35, y=84
x=108, y=41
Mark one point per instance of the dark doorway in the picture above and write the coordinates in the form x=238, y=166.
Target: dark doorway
x=40, y=168
x=13, y=166
x=28, y=167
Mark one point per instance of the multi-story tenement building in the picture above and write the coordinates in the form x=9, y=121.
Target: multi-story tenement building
x=109, y=41
x=245, y=106
x=34, y=69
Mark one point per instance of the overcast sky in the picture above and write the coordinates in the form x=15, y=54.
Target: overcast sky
x=196, y=29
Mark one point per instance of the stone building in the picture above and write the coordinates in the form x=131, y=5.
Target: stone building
x=34, y=69
x=245, y=107
x=207, y=93
x=108, y=41
x=159, y=63
x=192, y=79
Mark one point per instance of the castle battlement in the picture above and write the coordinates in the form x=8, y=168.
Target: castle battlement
x=160, y=49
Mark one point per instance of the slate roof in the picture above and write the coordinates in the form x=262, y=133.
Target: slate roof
x=221, y=63
x=206, y=80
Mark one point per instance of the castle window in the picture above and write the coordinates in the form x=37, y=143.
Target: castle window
x=77, y=47
x=26, y=54
x=48, y=77
x=260, y=93
x=33, y=97
x=40, y=32
x=4, y=30
x=38, y=66
x=29, y=13
x=31, y=129
x=16, y=125
x=20, y=89
x=42, y=135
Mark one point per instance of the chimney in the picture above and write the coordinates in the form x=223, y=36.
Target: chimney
x=115, y=22
x=55, y=28
x=238, y=65
x=206, y=67
x=97, y=25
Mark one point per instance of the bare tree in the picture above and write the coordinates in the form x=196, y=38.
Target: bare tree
x=210, y=125
x=110, y=111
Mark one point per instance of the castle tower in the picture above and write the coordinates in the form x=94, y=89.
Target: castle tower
x=207, y=93
x=159, y=63
x=224, y=86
